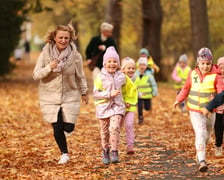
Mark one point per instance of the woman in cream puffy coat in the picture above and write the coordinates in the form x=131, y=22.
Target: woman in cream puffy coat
x=62, y=82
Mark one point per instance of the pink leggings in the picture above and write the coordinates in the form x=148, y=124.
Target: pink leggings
x=110, y=132
x=129, y=127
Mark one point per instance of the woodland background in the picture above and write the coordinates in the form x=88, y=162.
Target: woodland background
x=175, y=32
x=167, y=28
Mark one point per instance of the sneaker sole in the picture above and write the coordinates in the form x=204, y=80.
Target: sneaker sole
x=106, y=163
x=63, y=162
x=130, y=152
x=203, y=169
x=115, y=161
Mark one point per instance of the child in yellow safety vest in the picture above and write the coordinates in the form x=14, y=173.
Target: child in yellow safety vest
x=146, y=86
x=202, y=84
x=130, y=96
x=151, y=65
x=179, y=75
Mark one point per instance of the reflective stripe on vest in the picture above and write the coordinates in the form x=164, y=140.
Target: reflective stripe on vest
x=183, y=74
x=144, y=87
x=100, y=101
x=200, y=92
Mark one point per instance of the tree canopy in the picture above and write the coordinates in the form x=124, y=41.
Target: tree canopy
x=11, y=19
x=88, y=15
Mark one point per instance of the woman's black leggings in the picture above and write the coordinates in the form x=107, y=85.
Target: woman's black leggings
x=59, y=127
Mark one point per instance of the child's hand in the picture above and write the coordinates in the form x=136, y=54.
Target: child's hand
x=211, y=97
x=127, y=105
x=176, y=103
x=205, y=112
x=154, y=93
x=114, y=93
x=85, y=99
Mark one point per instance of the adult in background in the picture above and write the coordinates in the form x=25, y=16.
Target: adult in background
x=27, y=50
x=97, y=47
x=59, y=69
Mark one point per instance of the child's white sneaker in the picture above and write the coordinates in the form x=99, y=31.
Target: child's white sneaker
x=218, y=151
x=64, y=158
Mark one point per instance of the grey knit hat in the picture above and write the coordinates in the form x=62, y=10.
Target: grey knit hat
x=183, y=58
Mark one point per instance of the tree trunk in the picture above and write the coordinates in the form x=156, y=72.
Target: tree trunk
x=152, y=21
x=114, y=16
x=199, y=24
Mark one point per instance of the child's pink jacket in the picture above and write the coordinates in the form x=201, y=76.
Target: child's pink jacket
x=112, y=105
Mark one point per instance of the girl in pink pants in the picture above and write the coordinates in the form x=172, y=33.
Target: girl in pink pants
x=110, y=107
x=130, y=98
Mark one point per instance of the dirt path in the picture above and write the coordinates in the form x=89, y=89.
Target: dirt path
x=164, y=144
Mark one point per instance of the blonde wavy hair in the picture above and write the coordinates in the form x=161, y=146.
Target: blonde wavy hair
x=51, y=35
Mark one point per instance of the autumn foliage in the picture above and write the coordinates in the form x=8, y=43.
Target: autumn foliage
x=164, y=144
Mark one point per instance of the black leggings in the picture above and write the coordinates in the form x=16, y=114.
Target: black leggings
x=144, y=103
x=59, y=127
x=219, y=127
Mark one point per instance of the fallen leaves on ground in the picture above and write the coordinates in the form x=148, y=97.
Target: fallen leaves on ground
x=164, y=144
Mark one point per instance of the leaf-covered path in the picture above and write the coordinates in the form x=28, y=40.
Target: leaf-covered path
x=164, y=144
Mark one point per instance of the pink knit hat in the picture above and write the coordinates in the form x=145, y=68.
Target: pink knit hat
x=220, y=61
x=126, y=61
x=111, y=53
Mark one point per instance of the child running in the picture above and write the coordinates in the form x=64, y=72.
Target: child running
x=110, y=107
x=130, y=98
x=146, y=86
x=201, y=85
x=179, y=75
x=219, y=118
x=152, y=67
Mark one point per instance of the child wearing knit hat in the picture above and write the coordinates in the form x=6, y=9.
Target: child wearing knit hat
x=179, y=75
x=151, y=65
x=146, y=86
x=109, y=102
x=201, y=85
x=130, y=96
